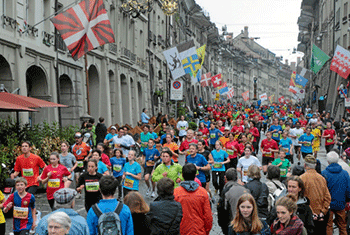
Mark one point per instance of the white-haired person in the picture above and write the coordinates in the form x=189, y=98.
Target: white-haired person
x=58, y=224
x=338, y=183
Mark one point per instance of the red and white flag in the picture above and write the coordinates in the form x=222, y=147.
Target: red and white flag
x=245, y=95
x=206, y=79
x=84, y=27
x=230, y=93
x=216, y=80
x=281, y=99
x=341, y=62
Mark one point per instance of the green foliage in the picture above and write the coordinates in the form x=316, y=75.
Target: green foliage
x=192, y=126
x=44, y=137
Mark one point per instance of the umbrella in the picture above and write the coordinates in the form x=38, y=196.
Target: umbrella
x=8, y=107
x=28, y=101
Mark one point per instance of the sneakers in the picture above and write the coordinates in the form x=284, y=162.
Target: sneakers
x=153, y=195
x=148, y=192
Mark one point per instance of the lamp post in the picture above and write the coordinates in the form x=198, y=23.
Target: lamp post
x=255, y=87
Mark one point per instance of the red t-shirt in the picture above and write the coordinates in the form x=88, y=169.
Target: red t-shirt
x=255, y=132
x=55, y=181
x=81, y=151
x=185, y=145
x=329, y=140
x=222, y=129
x=266, y=145
x=105, y=159
x=204, y=131
x=29, y=168
x=229, y=149
x=235, y=129
x=303, y=123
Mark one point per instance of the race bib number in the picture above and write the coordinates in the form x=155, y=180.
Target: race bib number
x=283, y=172
x=276, y=135
x=268, y=154
x=205, y=137
x=188, y=152
x=92, y=186
x=213, y=136
x=230, y=151
x=308, y=144
x=285, y=150
x=54, y=183
x=80, y=164
x=329, y=140
x=128, y=183
x=117, y=168
x=28, y=172
x=20, y=212
x=217, y=165
x=150, y=163
x=183, y=128
x=144, y=145
x=245, y=172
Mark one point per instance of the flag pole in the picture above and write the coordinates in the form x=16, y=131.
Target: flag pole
x=58, y=88
x=87, y=85
x=50, y=16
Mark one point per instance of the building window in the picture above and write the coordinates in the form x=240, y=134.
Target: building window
x=345, y=9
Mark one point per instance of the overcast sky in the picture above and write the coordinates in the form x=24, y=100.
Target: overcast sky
x=274, y=21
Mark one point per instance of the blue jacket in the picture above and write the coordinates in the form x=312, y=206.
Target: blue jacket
x=78, y=227
x=109, y=205
x=338, y=183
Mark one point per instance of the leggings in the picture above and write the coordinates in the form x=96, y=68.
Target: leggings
x=3, y=228
x=120, y=187
x=51, y=203
x=218, y=179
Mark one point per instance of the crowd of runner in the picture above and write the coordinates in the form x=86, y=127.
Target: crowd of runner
x=262, y=162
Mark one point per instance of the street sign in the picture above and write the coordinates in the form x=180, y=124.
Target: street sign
x=176, y=90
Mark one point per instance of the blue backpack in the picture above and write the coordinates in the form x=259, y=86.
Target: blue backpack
x=109, y=222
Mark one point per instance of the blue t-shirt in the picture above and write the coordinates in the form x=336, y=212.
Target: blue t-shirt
x=214, y=135
x=206, y=123
x=294, y=120
x=101, y=167
x=130, y=182
x=220, y=156
x=155, y=135
x=286, y=143
x=117, y=166
x=306, y=148
x=200, y=161
x=144, y=139
x=110, y=136
x=149, y=154
x=276, y=136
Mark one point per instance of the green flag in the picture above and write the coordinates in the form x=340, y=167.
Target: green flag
x=318, y=59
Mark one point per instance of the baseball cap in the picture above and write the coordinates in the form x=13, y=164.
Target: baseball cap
x=113, y=127
x=78, y=135
x=310, y=159
x=64, y=195
x=227, y=128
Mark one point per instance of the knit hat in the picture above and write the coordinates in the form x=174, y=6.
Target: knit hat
x=310, y=159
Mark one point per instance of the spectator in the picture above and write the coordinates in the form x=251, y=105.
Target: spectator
x=109, y=137
x=144, y=116
x=100, y=130
x=317, y=192
x=65, y=202
x=273, y=183
x=338, y=182
x=197, y=216
x=28, y=165
x=259, y=190
x=138, y=208
x=247, y=220
x=59, y=223
x=108, y=186
x=229, y=198
x=165, y=213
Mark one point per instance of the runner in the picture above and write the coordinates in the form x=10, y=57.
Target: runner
x=132, y=174
x=68, y=160
x=82, y=152
x=186, y=143
x=295, y=134
x=200, y=162
x=172, y=146
x=118, y=161
x=233, y=150
x=316, y=132
x=202, y=149
x=149, y=156
x=275, y=130
x=286, y=145
x=182, y=127
x=330, y=137
x=214, y=135
x=245, y=162
x=220, y=158
x=306, y=141
x=268, y=149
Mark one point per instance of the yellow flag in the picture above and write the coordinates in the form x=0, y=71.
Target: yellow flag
x=201, y=55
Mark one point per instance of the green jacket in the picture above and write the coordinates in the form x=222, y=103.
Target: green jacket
x=174, y=172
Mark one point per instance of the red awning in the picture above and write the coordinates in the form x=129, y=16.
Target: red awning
x=27, y=101
x=8, y=107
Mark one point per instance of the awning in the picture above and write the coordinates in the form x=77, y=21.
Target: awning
x=27, y=101
x=8, y=107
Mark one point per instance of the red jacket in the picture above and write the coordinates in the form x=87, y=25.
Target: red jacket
x=197, y=216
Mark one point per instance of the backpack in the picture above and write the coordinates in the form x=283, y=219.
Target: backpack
x=109, y=222
x=275, y=195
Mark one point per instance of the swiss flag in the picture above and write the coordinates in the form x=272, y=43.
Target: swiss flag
x=341, y=62
x=245, y=95
x=206, y=79
x=230, y=93
x=216, y=80
x=281, y=99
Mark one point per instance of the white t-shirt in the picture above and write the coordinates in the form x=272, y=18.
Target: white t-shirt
x=313, y=120
x=182, y=126
x=125, y=140
x=296, y=132
x=244, y=164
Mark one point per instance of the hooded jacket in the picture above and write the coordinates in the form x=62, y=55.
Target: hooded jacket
x=197, y=217
x=338, y=183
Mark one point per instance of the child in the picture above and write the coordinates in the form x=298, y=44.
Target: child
x=283, y=164
x=149, y=156
x=24, y=208
x=90, y=181
x=101, y=167
x=118, y=162
x=132, y=174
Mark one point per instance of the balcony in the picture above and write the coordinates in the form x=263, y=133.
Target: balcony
x=345, y=19
x=126, y=53
x=32, y=31
x=48, y=39
x=132, y=57
x=113, y=48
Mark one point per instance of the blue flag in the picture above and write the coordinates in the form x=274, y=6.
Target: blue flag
x=223, y=90
x=300, y=80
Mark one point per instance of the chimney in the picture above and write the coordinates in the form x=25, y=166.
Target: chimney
x=245, y=31
x=286, y=62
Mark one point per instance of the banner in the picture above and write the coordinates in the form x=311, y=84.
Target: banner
x=245, y=95
x=263, y=97
x=223, y=90
x=174, y=63
x=300, y=80
x=281, y=99
x=318, y=59
x=341, y=62
x=272, y=98
x=216, y=80
x=206, y=80
x=84, y=27
x=176, y=90
x=201, y=56
x=189, y=57
x=222, y=86
x=217, y=96
x=230, y=93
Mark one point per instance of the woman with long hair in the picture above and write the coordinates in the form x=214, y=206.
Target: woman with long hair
x=246, y=220
x=138, y=208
